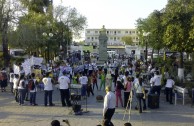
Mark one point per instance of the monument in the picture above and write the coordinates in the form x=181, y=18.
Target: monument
x=103, y=56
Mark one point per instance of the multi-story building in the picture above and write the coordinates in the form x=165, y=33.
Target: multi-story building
x=114, y=36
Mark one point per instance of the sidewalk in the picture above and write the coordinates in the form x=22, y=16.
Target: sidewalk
x=11, y=114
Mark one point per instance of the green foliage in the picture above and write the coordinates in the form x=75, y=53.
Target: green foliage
x=178, y=21
x=127, y=39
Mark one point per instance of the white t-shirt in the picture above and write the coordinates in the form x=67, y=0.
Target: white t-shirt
x=21, y=84
x=83, y=80
x=157, y=80
x=109, y=101
x=15, y=82
x=63, y=82
x=47, y=83
x=169, y=83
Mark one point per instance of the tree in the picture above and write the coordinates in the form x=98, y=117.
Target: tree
x=8, y=11
x=71, y=18
x=178, y=22
x=127, y=40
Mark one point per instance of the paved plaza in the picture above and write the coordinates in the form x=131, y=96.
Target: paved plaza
x=11, y=114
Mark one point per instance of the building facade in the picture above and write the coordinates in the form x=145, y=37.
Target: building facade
x=114, y=36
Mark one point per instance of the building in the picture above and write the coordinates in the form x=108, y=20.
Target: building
x=114, y=36
x=114, y=42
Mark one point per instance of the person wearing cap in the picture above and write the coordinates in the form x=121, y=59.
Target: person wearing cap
x=109, y=104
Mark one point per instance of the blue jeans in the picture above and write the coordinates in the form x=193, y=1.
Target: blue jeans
x=33, y=98
x=21, y=95
x=83, y=90
x=48, y=94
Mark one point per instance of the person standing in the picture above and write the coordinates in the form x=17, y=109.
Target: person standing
x=119, y=87
x=21, y=90
x=128, y=89
x=94, y=80
x=102, y=83
x=48, y=89
x=168, y=88
x=64, y=83
x=156, y=84
x=15, y=86
x=32, y=86
x=109, y=104
x=109, y=79
x=83, y=81
x=11, y=77
x=89, y=86
x=140, y=94
x=3, y=80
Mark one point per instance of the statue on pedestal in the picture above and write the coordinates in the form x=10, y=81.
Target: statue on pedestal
x=103, y=56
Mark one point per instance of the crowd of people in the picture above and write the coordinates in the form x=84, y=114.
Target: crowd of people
x=114, y=80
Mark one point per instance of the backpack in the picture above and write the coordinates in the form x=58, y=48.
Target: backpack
x=31, y=84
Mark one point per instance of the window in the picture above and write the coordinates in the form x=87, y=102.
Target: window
x=115, y=38
x=126, y=32
x=115, y=32
x=96, y=32
x=119, y=32
x=107, y=32
x=96, y=37
x=88, y=37
x=111, y=38
x=118, y=38
x=88, y=31
x=129, y=32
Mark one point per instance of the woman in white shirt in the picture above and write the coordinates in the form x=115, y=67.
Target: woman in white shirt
x=21, y=90
x=140, y=94
x=15, y=86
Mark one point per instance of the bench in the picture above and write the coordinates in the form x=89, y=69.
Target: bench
x=182, y=91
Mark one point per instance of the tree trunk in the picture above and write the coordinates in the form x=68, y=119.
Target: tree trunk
x=181, y=69
x=6, y=56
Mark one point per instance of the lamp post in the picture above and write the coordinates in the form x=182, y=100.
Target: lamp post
x=146, y=34
x=50, y=35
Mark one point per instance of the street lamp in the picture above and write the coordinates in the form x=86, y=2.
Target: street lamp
x=146, y=34
x=50, y=35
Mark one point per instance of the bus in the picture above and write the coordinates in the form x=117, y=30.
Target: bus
x=18, y=53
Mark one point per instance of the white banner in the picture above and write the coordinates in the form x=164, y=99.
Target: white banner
x=16, y=69
x=36, y=60
x=27, y=66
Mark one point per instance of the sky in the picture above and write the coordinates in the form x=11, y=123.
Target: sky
x=116, y=14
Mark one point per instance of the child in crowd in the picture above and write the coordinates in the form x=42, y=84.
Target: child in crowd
x=89, y=86
x=94, y=80
x=102, y=81
x=119, y=87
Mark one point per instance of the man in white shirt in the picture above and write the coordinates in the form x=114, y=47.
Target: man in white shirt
x=64, y=83
x=109, y=104
x=48, y=89
x=156, y=82
x=83, y=81
x=168, y=88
